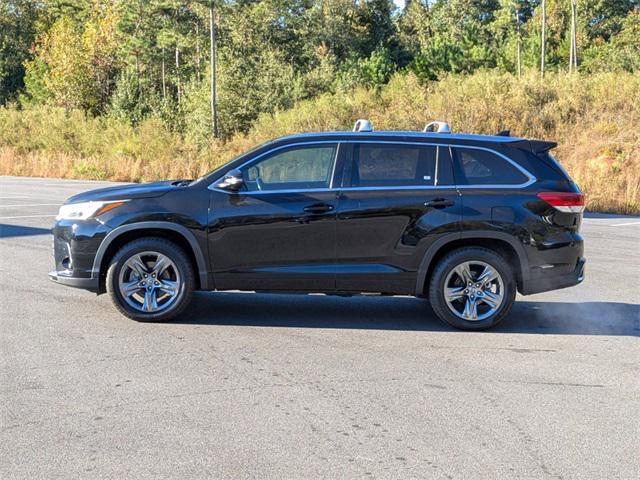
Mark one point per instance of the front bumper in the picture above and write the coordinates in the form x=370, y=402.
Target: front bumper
x=553, y=281
x=75, y=244
x=91, y=284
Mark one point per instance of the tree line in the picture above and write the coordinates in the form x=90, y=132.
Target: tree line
x=212, y=67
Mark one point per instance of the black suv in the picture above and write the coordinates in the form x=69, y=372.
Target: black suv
x=463, y=220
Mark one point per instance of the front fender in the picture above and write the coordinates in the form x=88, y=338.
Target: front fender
x=201, y=258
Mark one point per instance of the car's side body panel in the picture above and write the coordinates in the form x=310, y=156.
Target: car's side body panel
x=267, y=241
x=390, y=232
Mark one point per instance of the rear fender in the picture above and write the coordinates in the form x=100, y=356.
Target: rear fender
x=433, y=250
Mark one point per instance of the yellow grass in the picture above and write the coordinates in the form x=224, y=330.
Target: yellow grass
x=595, y=119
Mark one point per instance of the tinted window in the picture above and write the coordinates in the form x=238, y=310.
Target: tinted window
x=393, y=165
x=481, y=167
x=296, y=168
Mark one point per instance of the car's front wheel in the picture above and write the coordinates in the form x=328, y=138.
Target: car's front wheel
x=150, y=279
x=472, y=288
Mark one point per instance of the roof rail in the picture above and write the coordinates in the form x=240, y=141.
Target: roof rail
x=363, y=125
x=437, y=127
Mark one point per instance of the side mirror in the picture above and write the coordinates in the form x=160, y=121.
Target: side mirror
x=232, y=181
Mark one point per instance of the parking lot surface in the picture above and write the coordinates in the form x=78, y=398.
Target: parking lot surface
x=281, y=386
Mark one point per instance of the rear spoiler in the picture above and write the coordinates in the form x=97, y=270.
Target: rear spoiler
x=541, y=146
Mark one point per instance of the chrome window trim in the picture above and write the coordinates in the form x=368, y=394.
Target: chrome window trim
x=288, y=190
x=531, y=178
x=343, y=189
x=401, y=187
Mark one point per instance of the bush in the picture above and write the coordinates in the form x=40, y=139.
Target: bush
x=593, y=117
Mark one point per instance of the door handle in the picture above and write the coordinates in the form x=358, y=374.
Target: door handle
x=318, y=208
x=439, y=203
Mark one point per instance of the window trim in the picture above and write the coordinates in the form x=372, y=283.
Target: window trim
x=340, y=145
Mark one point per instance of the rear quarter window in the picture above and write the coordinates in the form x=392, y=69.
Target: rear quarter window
x=551, y=160
x=483, y=167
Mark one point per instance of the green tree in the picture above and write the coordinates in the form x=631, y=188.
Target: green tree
x=74, y=65
x=372, y=72
x=374, y=20
x=64, y=62
x=134, y=59
x=622, y=52
x=600, y=20
x=18, y=24
x=414, y=27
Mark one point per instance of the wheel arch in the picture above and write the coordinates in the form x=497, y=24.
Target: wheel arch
x=503, y=243
x=174, y=232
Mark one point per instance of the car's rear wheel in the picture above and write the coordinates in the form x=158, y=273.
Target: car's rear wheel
x=150, y=279
x=472, y=288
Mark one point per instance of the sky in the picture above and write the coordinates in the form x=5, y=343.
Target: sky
x=399, y=3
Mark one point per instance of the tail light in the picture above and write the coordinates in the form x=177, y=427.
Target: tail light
x=564, y=201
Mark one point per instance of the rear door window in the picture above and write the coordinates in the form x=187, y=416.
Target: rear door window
x=483, y=167
x=379, y=165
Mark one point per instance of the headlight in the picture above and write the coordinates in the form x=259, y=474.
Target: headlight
x=85, y=210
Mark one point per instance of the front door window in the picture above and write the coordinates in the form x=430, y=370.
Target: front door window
x=298, y=168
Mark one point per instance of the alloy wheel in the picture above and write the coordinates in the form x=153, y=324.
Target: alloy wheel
x=474, y=290
x=149, y=282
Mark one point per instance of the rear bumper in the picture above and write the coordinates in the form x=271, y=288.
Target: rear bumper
x=548, y=280
x=90, y=284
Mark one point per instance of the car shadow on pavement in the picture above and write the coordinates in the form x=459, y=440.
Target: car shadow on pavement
x=403, y=313
x=21, y=231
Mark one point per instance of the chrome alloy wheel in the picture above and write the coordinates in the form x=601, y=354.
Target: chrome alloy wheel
x=474, y=290
x=149, y=282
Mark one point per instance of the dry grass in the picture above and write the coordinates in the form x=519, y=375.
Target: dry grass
x=594, y=118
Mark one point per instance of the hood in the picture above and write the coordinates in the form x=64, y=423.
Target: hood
x=125, y=192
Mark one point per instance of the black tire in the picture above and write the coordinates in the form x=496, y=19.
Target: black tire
x=470, y=254
x=181, y=264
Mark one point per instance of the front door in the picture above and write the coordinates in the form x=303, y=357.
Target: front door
x=396, y=200
x=279, y=231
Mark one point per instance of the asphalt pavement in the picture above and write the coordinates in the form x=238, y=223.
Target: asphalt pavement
x=248, y=385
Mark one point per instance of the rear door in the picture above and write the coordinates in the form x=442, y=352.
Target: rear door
x=396, y=200
x=494, y=189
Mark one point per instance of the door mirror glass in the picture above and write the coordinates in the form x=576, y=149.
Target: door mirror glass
x=232, y=181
